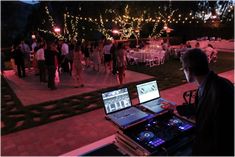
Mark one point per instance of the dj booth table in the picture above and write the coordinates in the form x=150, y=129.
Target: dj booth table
x=94, y=147
x=121, y=144
x=107, y=147
x=147, y=129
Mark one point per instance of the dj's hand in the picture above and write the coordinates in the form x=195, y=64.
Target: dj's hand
x=168, y=106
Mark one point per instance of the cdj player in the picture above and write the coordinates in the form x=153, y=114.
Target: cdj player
x=162, y=135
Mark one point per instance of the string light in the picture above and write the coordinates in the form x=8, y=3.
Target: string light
x=76, y=30
x=73, y=28
x=149, y=19
x=131, y=25
x=165, y=19
x=154, y=28
x=59, y=36
x=65, y=25
x=50, y=17
x=102, y=29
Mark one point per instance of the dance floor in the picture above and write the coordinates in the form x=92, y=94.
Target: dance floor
x=30, y=91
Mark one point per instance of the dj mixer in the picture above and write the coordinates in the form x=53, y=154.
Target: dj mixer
x=162, y=135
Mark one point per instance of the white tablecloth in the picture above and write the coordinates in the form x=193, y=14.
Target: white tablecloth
x=203, y=43
x=143, y=55
x=222, y=45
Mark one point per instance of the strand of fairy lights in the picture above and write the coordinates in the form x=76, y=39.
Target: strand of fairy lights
x=151, y=19
x=124, y=20
x=65, y=25
x=50, y=17
x=59, y=36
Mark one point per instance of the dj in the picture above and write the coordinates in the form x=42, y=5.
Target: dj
x=213, y=108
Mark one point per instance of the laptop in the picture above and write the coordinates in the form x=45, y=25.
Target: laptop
x=149, y=96
x=118, y=108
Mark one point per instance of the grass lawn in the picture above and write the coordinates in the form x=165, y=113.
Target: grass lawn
x=168, y=74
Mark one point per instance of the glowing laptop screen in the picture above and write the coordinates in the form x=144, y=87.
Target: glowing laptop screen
x=147, y=91
x=116, y=100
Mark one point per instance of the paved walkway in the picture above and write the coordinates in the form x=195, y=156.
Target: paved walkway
x=65, y=135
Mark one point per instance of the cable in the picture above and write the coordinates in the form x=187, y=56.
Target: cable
x=165, y=151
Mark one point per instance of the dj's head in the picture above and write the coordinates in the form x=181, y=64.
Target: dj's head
x=195, y=63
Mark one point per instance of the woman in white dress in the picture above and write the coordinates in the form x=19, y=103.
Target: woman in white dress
x=121, y=62
x=77, y=67
x=96, y=56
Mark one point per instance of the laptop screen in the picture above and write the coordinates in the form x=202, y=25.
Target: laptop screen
x=147, y=91
x=116, y=100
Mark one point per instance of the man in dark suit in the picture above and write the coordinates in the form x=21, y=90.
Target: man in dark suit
x=19, y=61
x=51, y=57
x=213, y=108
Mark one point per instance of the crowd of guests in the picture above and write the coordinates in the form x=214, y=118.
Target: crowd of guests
x=50, y=59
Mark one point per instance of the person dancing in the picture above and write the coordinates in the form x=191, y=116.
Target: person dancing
x=77, y=67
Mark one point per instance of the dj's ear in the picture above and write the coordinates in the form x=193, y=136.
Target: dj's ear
x=189, y=75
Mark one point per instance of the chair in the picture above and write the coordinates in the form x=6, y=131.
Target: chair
x=151, y=62
x=214, y=56
x=162, y=57
x=131, y=59
x=189, y=96
x=210, y=57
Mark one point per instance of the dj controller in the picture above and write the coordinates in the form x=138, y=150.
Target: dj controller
x=162, y=135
